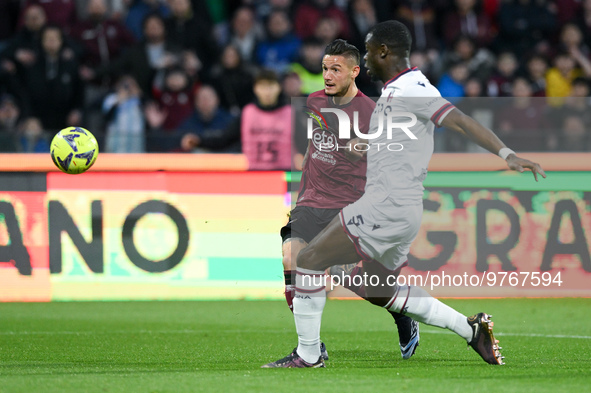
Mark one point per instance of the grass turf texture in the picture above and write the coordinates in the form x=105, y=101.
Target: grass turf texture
x=219, y=346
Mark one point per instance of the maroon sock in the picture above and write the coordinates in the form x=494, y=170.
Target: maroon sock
x=349, y=284
x=289, y=287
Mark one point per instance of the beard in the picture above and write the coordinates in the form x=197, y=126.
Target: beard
x=339, y=93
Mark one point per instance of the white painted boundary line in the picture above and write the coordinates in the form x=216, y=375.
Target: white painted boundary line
x=191, y=331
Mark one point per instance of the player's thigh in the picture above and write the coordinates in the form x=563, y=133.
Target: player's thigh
x=291, y=248
x=330, y=247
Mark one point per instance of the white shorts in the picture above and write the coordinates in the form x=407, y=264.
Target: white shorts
x=381, y=229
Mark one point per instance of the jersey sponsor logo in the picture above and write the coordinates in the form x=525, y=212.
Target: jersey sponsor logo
x=324, y=157
x=376, y=226
x=324, y=140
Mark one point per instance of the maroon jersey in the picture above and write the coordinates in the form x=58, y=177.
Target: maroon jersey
x=329, y=180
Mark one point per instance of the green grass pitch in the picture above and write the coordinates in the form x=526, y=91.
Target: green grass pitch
x=219, y=346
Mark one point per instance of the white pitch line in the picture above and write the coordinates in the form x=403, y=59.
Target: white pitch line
x=190, y=331
x=500, y=334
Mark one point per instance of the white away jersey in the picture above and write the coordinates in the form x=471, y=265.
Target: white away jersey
x=410, y=106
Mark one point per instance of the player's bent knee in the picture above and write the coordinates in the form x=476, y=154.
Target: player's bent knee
x=286, y=250
x=308, y=259
x=287, y=262
x=291, y=249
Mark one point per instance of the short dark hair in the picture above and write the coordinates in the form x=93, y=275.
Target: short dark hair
x=342, y=48
x=266, y=75
x=394, y=35
x=151, y=15
x=580, y=81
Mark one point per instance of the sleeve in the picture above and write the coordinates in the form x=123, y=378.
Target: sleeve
x=426, y=102
x=110, y=103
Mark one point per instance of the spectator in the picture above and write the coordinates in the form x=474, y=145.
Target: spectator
x=266, y=134
x=479, y=107
x=309, y=66
x=175, y=100
x=139, y=10
x=265, y=7
x=146, y=60
x=567, y=10
x=559, y=78
x=362, y=16
x=583, y=20
x=420, y=60
x=58, y=12
x=24, y=47
x=327, y=30
x=576, y=105
x=500, y=84
x=523, y=24
x=9, y=116
x=476, y=105
x=102, y=38
x=292, y=85
x=466, y=19
x=232, y=80
x=125, y=120
x=191, y=31
x=536, y=69
x=451, y=84
x=245, y=33
x=480, y=61
x=292, y=90
x=210, y=128
x=309, y=13
x=32, y=138
x=523, y=121
x=571, y=39
x=575, y=136
x=9, y=10
x=52, y=84
x=420, y=18
x=281, y=46
x=115, y=9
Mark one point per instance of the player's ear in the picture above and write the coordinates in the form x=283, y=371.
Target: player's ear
x=384, y=51
x=355, y=71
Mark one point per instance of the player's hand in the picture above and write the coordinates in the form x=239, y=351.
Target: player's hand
x=521, y=164
x=353, y=154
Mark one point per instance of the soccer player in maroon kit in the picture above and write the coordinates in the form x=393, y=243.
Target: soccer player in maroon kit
x=333, y=176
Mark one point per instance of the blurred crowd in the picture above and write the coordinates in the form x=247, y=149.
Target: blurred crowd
x=181, y=75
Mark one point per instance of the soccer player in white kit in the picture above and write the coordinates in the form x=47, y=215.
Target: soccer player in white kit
x=382, y=224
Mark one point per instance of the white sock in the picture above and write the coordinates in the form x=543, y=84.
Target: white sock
x=420, y=306
x=308, y=304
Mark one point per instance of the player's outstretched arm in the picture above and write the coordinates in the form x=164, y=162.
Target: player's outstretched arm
x=456, y=120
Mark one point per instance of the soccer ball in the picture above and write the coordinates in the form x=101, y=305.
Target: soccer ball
x=74, y=150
